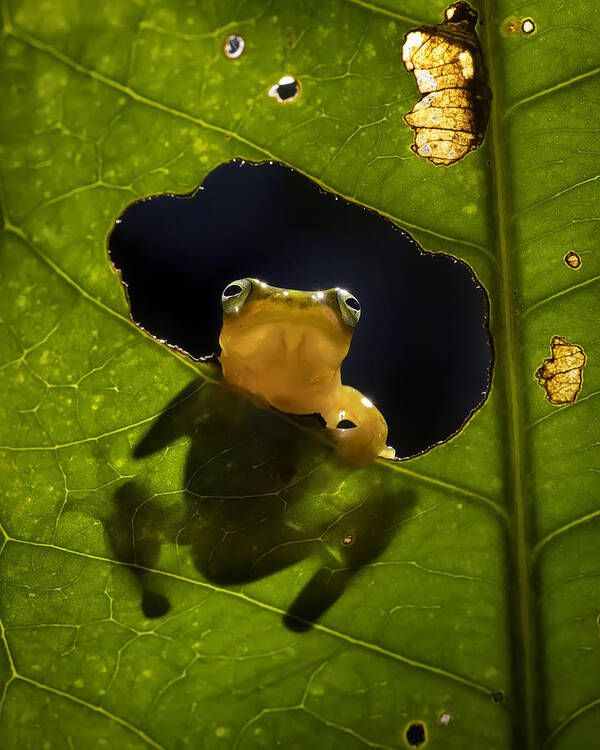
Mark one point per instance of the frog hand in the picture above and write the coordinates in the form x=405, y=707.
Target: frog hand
x=361, y=444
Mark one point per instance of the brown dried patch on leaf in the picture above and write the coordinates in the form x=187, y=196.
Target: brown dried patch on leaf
x=511, y=26
x=572, y=259
x=561, y=376
x=447, y=61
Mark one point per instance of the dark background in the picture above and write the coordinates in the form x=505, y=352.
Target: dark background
x=421, y=350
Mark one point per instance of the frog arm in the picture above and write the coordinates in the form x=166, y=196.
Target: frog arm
x=175, y=420
x=359, y=445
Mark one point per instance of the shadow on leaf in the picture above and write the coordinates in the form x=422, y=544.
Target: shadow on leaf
x=259, y=494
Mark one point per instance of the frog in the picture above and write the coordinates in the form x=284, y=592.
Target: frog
x=284, y=348
x=258, y=493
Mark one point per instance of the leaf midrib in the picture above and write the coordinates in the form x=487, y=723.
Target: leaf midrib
x=524, y=657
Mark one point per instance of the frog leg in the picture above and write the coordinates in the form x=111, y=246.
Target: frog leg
x=352, y=543
x=136, y=533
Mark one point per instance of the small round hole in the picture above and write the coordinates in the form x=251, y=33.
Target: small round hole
x=528, y=26
x=234, y=46
x=286, y=90
x=415, y=734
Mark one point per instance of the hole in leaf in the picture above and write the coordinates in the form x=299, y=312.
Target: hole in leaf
x=348, y=540
x=445, y=718
x=345, y=424
x=421, y=349
x=518, y=27
x=234, y=46
x=286, y=90
x=527, y=26
x=415, y=734
x=498, y=696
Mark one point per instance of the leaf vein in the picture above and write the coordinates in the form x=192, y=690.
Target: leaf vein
x=373, y=647
x=552, y=89
x=132, y=94
x=562, y=292
x=563, y=529
x=92, y=707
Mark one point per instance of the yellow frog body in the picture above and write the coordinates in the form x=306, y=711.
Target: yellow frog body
x=285, y=349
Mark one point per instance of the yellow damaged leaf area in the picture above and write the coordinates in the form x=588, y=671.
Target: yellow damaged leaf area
x=450, y=120
x=572, y=259
x=561, y=376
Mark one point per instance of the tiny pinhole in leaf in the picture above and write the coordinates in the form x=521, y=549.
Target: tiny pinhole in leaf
x=527, y=26
x=415, y=734
x=286, y=90
x=234, y=46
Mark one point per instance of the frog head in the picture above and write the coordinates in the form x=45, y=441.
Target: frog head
x=285, y=347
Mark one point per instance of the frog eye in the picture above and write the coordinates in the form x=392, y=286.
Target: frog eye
x=235, y=294
x=349, y=307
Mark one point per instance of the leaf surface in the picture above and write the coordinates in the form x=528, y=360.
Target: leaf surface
x=470, y=586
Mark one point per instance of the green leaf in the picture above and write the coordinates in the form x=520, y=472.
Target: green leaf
x=469, y=589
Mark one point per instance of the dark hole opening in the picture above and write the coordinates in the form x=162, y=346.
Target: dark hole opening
x=345, y=424
x=233, y=44
x=287, y=90
x=415, y=734
x=498, y=696
x=421, y=350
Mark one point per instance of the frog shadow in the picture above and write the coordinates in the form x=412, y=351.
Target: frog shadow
x=252, y=508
